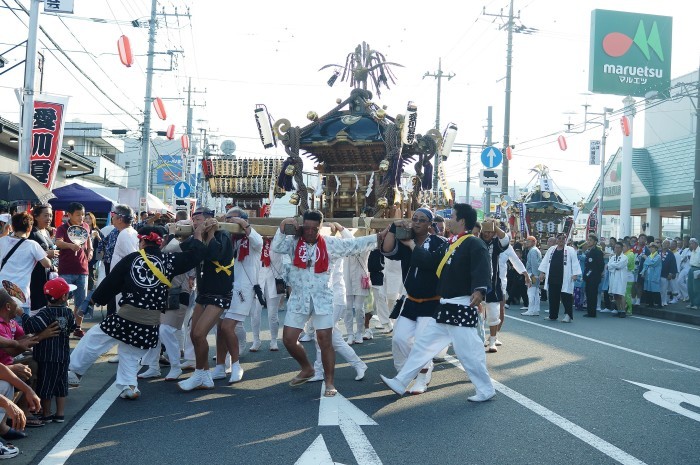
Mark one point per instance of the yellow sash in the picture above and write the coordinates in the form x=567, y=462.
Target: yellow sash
x=449, y=253
x=159, y=274
x=225, y=269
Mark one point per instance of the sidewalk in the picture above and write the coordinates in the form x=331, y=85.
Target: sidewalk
x=676, y=312
x=39, y=441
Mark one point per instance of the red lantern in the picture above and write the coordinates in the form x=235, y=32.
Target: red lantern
x=185, y=142
x=125, y=54
x=509, y=153
x=625, y=123
x=160, y=108
x=170, y=132
x=562, y=142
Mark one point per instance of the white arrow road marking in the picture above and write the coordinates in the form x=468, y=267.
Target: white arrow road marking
x=572, y=428
x=338, y=411
x=671, y=400
x=329, y=412
x=316, y=454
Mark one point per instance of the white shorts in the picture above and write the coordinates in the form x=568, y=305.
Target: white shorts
x=242, y=303
x=298, y=320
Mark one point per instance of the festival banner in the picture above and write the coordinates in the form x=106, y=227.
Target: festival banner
x=47, y=137
x=443, y=182
x=592, y=223
x=524, y=232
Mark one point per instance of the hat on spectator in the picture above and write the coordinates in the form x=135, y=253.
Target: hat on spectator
x=57, y=288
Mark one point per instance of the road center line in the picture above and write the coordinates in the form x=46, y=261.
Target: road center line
x=586, y=338
x=72, y=439
x=572, y=428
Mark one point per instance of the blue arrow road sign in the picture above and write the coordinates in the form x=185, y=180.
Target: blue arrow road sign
x=182, y=189
x=491, y=157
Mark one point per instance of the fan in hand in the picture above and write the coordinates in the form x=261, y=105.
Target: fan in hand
x=78, y=235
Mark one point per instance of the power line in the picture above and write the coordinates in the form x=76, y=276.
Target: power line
x=79, y=69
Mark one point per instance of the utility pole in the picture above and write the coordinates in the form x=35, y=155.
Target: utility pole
x=438, y=75
x=602, y=169
x=186, y=174
x=509, y=25
x=28, y=90
x=489, y=140
x=146, y=127
x=469, y=170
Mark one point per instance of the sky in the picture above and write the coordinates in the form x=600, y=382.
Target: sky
x=248, y=53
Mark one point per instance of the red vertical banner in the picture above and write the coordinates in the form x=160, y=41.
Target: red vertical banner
x=47, y=137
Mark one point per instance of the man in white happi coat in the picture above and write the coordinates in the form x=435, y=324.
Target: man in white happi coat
x=683, y=260
x=559, y=269
x=508, y=255
x=271, y=269
x=341, y=347
x=247, y=246
x=532, y=265
x=312, y=296
x=617, y=285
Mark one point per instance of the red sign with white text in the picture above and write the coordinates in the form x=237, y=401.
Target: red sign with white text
x=47, y=138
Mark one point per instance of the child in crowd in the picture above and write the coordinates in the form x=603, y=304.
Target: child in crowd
x=53, y=354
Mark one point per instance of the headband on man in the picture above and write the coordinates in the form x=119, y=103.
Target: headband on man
x=426, y=212
x=151, y=237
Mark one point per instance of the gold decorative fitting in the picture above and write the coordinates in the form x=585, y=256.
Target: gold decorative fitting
x=382, y=202
x=384, y=166
x=294, y=199
x=312, y=115
x=290, y=170
x=338, y=101
x=381, y=114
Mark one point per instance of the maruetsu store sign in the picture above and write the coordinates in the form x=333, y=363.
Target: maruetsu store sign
x=630, y=53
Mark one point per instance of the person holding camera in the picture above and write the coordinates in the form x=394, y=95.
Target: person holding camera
x=312, y=293
x=407, y=242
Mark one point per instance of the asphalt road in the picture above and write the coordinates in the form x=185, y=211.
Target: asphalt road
x=565, y=396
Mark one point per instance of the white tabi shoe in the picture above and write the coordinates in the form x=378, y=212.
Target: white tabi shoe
x=236, y=373
x=394, y=385
x=199, y=380
x=360, y=371
x=188, y=365
x=351, y=340
x=492, y=344
x=150, y=373
x=306, y=338
x=173, y=374
x=73, y=379
x=368, y=335
x=130, y=393
x=273, y=345
x=256, y=346
x=529, y=313
x=219, y=372
x=481, y=397
x=113, y=359
x=358, y=338
x=317, y=377
x=420, y=385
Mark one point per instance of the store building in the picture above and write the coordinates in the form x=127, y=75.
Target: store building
x=663, y=169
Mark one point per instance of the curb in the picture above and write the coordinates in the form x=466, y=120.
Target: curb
x=679, y=317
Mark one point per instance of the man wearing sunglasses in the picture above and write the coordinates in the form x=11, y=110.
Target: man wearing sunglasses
x=312, y=293
x=421, y=299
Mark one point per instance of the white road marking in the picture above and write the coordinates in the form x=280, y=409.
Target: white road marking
x=671, y=400
x=72, y=439
x=664, y=322
x=330, y=409
x=572, y=428
x=338, y=411
x=316, y=454
x=586, y=338
x=359, y=444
